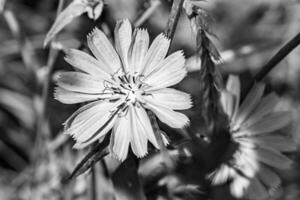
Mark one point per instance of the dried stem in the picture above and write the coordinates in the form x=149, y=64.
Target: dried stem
x=281, y=54
x=173, y=18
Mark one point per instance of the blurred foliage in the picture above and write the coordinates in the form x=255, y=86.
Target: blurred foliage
x=34, y=154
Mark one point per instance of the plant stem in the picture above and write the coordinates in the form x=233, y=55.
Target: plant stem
x=173, y=18
x=50, y=64
x=149, y=11
x=93, y=183
x=280, y=55
x=43, y=131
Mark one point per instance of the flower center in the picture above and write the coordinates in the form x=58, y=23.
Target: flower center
x=133, y=95
x=129, y=88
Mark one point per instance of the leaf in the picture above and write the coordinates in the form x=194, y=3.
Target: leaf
x=75, y=9
x=19, y=105
x=95, y=154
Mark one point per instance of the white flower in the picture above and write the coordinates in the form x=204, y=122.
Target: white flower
x=121, y=85
x=255, y=150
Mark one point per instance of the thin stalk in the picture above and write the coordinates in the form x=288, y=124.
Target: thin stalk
x=277, y=58
x=93, y=183
x=148, y=12
x=42, y=124
x=50, y=65
x=173, y=18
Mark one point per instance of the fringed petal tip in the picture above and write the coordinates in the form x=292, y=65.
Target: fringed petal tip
x=142, y=155
x=95, y=31
x=122, y=158
x=115, y=156
x=123, y=24
x=164, y=36
x=186, y=124
x=143, y=30
x=56, y=92
x=80, y=146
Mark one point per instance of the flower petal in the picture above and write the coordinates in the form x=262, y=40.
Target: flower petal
x=239, y=186
x=92, y=123
x=265, y=107
x=86, y=63
x=138, y=140
x=221, y=175
x=246, y=162
x=146, y=126
x=80, y=82
x=123, y=32
x=171, y=98
x=269, y=123
x=274, y=142
x=273, y=158
x=269, y=178
x=156, y=53
x=228, y=102
x=250, y=102
x=234, y=87
x=69, y=97
x=256, y=190
x=104, y=51
x=168, y=73
x=121, y=138
x=166, y=115
x=70, y=120
x=138, y=51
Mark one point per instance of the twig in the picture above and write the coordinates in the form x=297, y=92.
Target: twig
x=173, y=18
x=153, y=5
x=281, y=54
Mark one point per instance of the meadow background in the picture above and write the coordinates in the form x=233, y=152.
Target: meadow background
x=34, y=154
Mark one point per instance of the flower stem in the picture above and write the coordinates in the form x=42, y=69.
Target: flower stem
x=173, y=18
x=93, y=183
x=279, y=56
x=148, y=12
